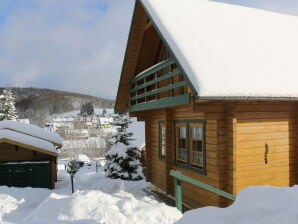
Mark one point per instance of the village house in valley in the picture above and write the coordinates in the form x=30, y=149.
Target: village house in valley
x=28, y=155
x=216, y=85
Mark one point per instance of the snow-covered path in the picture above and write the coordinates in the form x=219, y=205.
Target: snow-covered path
x=96, y=200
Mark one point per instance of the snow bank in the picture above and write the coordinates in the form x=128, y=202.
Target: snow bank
x=96, y=200
x=32, y=130
x=258, y=205
x=229, y=50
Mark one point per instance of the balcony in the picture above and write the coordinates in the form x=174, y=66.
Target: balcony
x=159, y=86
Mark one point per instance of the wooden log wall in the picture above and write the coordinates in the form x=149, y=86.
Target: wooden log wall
x=10, y=153
x=159, y=169
x=266, y=144
x=157, y=172
x=247, y=144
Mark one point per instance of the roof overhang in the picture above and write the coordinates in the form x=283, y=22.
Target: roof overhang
x=32, y=130
x=27, y=142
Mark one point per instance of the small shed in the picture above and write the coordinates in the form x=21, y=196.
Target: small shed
x=28, y=155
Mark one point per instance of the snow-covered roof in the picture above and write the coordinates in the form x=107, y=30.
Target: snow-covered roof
x=26, y=140
x=31, y=130
x=229, y=50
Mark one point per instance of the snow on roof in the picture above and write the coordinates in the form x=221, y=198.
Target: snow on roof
x=229, y=50
x=32, y=130
x=27, y=140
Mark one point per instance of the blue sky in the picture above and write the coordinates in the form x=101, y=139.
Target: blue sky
x=75, y=45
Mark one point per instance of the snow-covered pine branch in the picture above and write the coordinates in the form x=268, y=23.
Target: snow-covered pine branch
x=123, y=159
x=7, y=106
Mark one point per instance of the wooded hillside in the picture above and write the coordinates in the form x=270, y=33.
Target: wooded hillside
x=37, y=104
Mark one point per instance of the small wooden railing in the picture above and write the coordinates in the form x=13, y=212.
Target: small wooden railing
x=179, y=177
x=161, y=85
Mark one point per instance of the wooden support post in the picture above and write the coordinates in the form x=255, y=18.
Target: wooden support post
x=178, y=190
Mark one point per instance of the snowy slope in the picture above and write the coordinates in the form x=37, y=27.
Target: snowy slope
x=229, y=50
x=75, y=113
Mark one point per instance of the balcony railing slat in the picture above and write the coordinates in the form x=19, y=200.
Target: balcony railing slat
x=161, y=78
x=152, y=70
x=160, y=90
x=164, y=102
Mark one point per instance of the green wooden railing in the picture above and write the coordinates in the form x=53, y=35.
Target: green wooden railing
x=148, y=88
x=179, y=177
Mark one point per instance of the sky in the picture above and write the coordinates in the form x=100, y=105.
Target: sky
x=75, y=45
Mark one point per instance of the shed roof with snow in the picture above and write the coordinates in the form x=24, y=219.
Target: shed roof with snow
x=27, y=141
x=31, y=130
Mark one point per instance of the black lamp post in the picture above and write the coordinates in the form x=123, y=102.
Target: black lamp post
x=72, y=168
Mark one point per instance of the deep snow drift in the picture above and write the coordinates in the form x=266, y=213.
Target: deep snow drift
x=257, y=205
x=96, y=200
x=101, y=200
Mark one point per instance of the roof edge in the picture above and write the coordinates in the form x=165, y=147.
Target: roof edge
x=246, y=98
x=194, y=91
x=29, y=147
x=123, y=64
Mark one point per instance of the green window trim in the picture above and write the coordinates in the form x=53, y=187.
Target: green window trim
x=187, y=163
x=161, y=124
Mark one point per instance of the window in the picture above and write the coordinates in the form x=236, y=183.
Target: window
x=189, y=144
x=181, y=143
x=196, y=145
x=162, y=139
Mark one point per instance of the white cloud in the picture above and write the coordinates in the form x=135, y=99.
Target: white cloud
x=73, y=45
x=281, y=6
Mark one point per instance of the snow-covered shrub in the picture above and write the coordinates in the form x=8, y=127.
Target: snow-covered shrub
x=7, y=106
x=123, y=159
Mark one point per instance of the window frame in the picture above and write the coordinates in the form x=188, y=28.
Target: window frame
x=189, y=123
x=177, y=159
x=160, y=124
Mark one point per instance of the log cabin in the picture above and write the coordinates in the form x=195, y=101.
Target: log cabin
x=216, y=85
x=28, y=155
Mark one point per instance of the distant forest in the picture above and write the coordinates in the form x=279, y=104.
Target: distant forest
x=37, y=104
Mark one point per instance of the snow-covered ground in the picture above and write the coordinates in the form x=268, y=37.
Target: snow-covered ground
x=254, y=205
x=101, y=200
x=97, y=199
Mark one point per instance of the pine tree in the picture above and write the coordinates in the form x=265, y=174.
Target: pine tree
x=104, y=112
x=87, y=109
x=123, y=159
x=2, y=112
x=7, y=106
